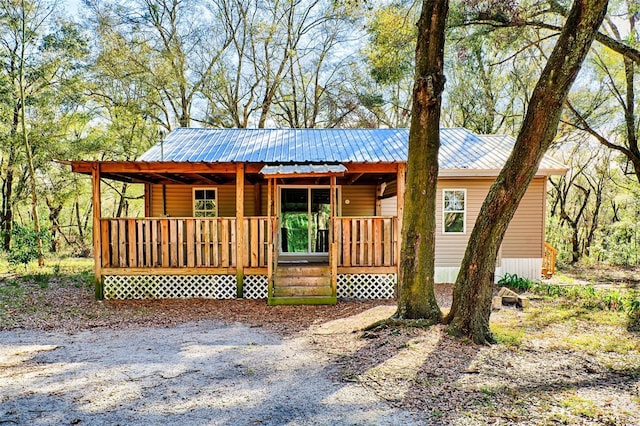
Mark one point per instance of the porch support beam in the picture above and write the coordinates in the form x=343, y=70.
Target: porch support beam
x=257, y=199
x=158, y=167
x=333, y=247
x=240, y=249
x=209, y=179
x=147, y=199
x=97, y=243
x=370, y=167
x=353, y=179
x=171, y=178
x=401, y=185
x=122, y=178
x=270, y=240
x=379, y=193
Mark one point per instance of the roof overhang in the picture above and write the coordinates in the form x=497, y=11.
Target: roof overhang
x=210, y=173
x=156, y=172
x=493, y=173
x=213, y=173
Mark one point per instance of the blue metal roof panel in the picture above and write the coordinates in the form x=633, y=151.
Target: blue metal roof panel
x=460, y=148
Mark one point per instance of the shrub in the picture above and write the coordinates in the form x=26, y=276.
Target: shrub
x=586, y=296
x=632, y=306
x=514, y=281
x=24, y=247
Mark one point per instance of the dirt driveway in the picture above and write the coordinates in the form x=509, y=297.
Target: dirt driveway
x=202, y=372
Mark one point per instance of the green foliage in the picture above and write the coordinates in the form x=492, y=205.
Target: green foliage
x=587, y=297
x=40, y=278
x=24, y=248
x=632, y=307
x=390, y=52
x=508, y=336
x=516, y=282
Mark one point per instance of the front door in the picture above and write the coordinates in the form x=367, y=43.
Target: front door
x=304, y=223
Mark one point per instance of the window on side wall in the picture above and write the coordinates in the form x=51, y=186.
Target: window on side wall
x=205, y=203
x=454, y=207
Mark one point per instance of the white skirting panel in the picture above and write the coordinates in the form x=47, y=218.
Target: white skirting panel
x=527, y=268
x=446, y=274
x=530, y=268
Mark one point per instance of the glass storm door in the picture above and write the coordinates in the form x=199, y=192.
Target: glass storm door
x=304, y=220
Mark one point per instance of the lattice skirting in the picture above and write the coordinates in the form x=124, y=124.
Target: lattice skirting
x=366, y=286
x=255, y=287
x=169, y=286
x=351, y=286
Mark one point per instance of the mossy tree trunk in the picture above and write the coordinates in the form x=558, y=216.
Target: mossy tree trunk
x=416, y=298
x=471, y=308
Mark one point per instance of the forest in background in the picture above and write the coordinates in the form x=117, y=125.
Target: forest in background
x=110, y=81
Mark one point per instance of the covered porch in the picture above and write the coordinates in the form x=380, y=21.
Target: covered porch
x=248, y=253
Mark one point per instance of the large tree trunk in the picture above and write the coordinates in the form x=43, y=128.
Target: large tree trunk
x=416, y=298
x=471, y=308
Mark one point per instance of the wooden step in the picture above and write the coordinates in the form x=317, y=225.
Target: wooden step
x=302, y=281
x=295, y=291
x=298, y=271
x=302, y=285
x=306, y=300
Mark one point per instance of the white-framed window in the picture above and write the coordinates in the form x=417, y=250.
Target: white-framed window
x=454, y=211
x=205, y=202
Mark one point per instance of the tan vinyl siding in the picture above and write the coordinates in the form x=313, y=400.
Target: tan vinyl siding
x=450, y=247
x=524, y=235
x=180, y=200
x=390, y=206
x=362, y=200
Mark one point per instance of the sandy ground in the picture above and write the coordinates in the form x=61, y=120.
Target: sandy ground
x=204, y=372
x=67, y=359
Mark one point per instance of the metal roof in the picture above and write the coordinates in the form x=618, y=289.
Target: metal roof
x=303, y=169
x=502, y=146
x=460, y=148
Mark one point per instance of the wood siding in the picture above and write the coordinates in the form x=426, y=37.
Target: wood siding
x=362, y=200
x=180, y=200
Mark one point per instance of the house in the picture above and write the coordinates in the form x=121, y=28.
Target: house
x=296, y=215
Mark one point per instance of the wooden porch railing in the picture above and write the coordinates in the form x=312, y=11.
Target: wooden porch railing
x=256, y=231
x=367, y=241
x=549, y=260
x=181, y=242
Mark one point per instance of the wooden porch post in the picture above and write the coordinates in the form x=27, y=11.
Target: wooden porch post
x=97, y=243
x=379, y=193
x=257, y=199
x=333, y=247
x=240, y=249
x=270, y=240
x=400, y=188
x=147, y=200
